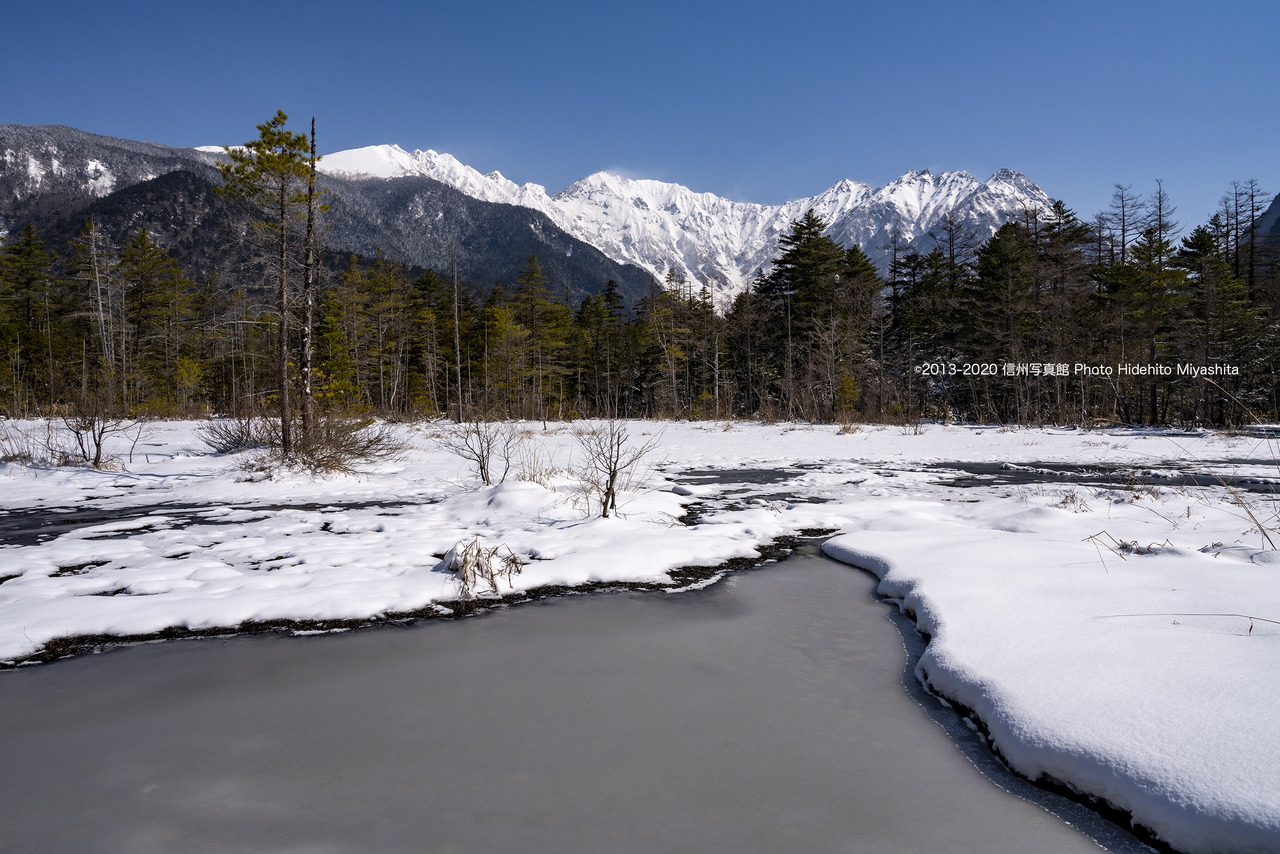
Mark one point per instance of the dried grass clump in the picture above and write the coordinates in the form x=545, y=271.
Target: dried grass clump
x=479, y=567
x=30, y=445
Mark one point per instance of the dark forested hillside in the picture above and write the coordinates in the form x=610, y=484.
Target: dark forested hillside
x=419, y=221
x=50, y=171
x=1269, y=222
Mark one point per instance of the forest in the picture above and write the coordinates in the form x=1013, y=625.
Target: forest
x=1126, y=317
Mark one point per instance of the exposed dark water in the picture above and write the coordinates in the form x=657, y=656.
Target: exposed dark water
x=1029, y=474
x=764, y=714
x=968, y=474
x=30, y=526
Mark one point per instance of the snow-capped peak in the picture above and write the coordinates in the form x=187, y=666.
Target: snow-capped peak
x=374, y=161
x=710, y=239
x=392, y=161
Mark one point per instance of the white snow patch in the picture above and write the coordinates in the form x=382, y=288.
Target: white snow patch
x=101, y=181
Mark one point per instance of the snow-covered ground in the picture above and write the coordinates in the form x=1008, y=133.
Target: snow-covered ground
x=1120, y=637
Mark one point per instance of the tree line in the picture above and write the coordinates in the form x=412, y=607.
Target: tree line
x=1125, y=317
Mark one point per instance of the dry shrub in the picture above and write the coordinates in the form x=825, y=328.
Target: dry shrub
x=229, y=435
x=488, y=445
x=611, y=460
x=81, y=440
x=333, y=445
x=336, y=445
x=91, y=429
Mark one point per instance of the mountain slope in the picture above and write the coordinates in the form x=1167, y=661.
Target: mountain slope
x=49, y=170
x=55, y=177
x=657, y=225
x=414, y=205
x=1269, y=222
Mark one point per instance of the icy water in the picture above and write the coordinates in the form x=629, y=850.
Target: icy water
x=764, y=714
x=36, y=525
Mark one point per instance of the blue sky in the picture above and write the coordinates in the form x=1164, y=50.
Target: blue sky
x=755, y=101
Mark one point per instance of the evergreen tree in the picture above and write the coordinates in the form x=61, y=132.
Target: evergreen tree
x=155, y=322
x=1219, y=325
x=806, y=271
x=271, y=174
x=26, y=300
x=548, y=322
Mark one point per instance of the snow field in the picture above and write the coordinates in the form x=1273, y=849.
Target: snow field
x=1084, y=625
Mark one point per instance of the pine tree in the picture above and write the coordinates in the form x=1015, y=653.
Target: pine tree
x=271, y=173
x=1125, y=219
x=548, y=322
x=806, y=271
x=800, y=296
x=1001, y=321
x=1219, y=326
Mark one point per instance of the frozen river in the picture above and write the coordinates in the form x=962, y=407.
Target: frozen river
x=764, y=714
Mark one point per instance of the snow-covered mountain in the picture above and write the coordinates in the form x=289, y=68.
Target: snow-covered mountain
x=43, y=167
x=655, y=226
x=658, y=226
x=55, y=178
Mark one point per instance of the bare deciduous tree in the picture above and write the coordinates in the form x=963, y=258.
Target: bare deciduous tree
x=91, y=426
x=487, y=445
x=611, y=459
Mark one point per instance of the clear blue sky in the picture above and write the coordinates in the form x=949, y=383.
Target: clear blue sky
x=755, y=101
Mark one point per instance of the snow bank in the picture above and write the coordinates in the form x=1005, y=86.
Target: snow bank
x=1129, y=676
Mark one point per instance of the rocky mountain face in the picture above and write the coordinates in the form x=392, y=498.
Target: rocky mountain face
x=1269, y=222
x=49, y=170
x=658, y=226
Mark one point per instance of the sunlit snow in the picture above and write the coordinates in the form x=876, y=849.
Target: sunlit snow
x=1111, y=627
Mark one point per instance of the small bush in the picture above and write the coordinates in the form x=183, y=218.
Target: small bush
x=489, y=446
x=333, y=445
x=337, y=445
x=611, y=459
x=81, y=440
x=229, y=435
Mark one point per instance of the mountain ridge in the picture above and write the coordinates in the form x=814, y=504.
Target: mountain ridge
x=658, y=225
x=639, y=224
x=55, y=177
